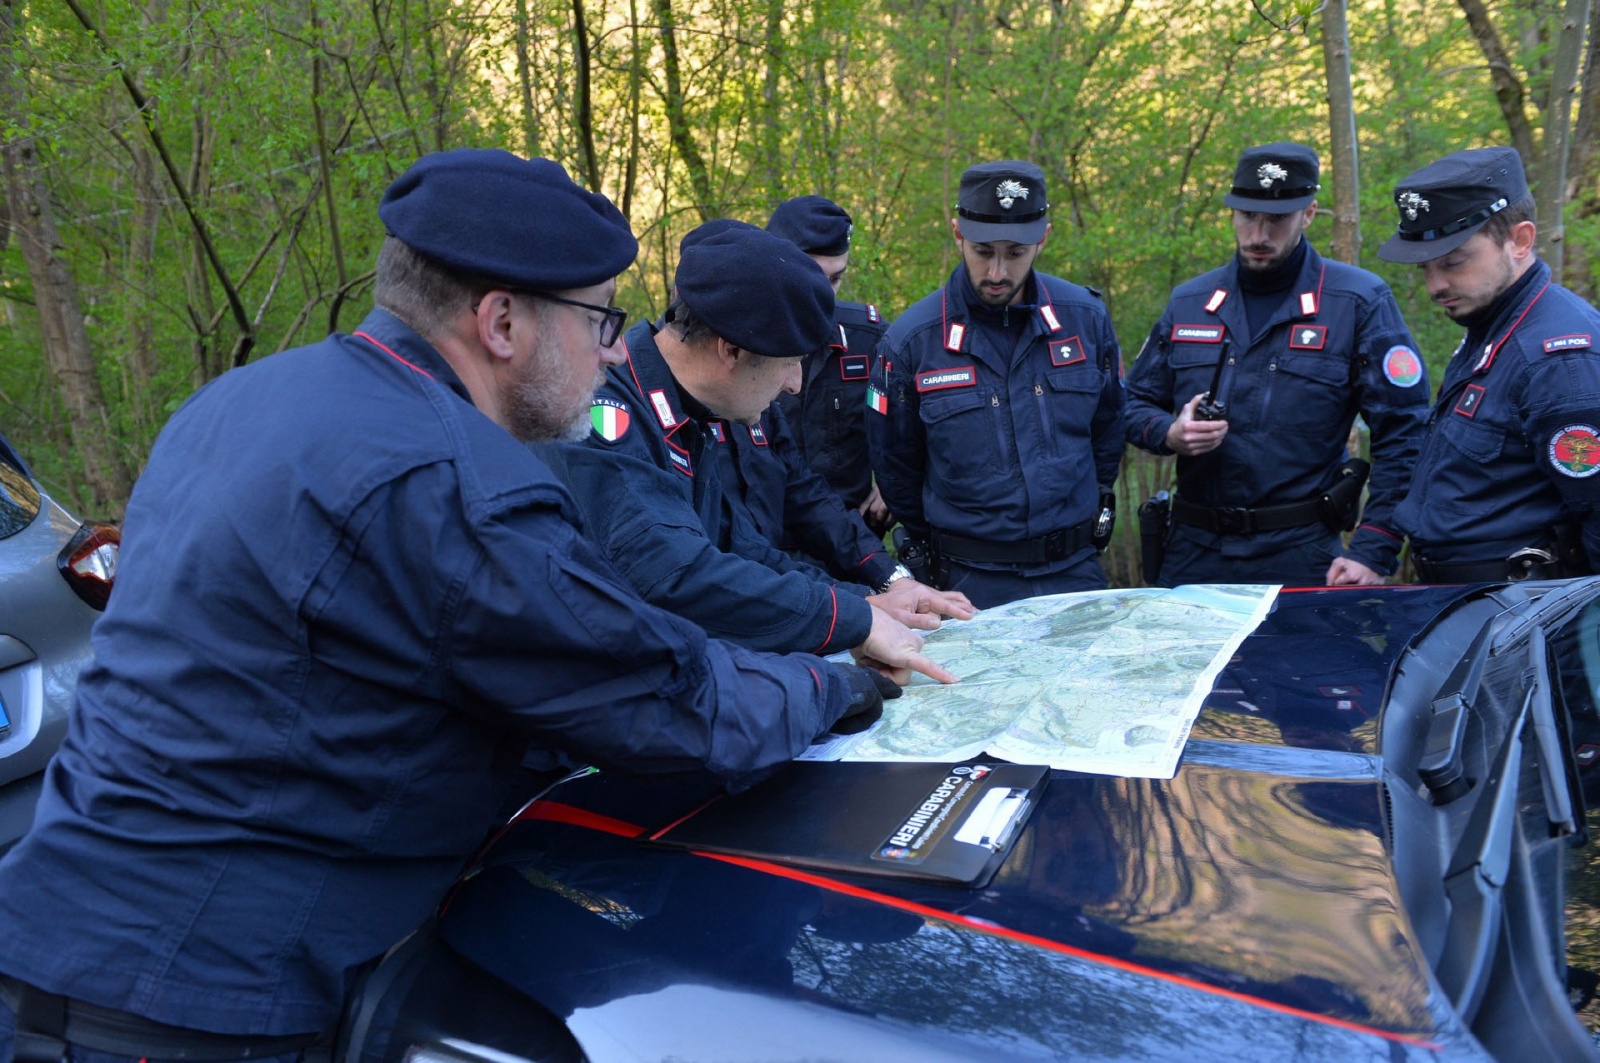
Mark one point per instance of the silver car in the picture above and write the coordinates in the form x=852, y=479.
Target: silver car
x=56, y=573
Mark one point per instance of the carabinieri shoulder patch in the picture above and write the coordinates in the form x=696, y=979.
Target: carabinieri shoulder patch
x=610, y=419
x=1575, y=451
x=1402, y=367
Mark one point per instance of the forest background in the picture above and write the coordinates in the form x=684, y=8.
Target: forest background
x=192, y=184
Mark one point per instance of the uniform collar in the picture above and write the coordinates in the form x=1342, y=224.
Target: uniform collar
x=1302, y=298
x=646, y=372
x=392, y=338
x=1494, y=327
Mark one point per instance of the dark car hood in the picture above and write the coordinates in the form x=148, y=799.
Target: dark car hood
x=1245, y=907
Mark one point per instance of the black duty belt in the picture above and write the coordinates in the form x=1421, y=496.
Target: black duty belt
x=1524, y=564
x=1056, y=546
x=1238, y=520
x=45, y=1020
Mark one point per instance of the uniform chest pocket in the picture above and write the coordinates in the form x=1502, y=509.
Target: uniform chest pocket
x=1195, y=355
x=1326, y=369
x=963, y=443
x=1480, y=442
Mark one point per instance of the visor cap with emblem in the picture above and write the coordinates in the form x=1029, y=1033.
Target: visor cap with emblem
x=1444, y=203
x=1003, y=201
x=1277, y=178
x=756, y=290
x=818, y=226
x=523, y=222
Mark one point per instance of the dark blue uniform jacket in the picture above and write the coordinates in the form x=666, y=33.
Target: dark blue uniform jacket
x=1336, y=346
x=994, y=433
x=346, y=601
x=1513, y=443
x=827, y=415
x=651, y=497
x=791, y=504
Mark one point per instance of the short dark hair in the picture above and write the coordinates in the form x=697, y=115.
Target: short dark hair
x=418, y=290
x=690, y=329
x=1498, y=227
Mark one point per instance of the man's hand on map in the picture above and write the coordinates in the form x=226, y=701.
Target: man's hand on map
x=920, y=606
x=896, y=651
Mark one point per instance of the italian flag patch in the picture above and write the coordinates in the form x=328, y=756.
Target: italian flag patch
x=877, y=400
x=610, y=420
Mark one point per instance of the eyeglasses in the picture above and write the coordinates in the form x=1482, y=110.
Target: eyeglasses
x=610, y=325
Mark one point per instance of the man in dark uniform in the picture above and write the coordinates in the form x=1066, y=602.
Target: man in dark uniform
x=1507, y=483
x=827, y=414
x=1254, y=375
x=764, y=474
x=748, y=307
x=348, y=598
x=995, y=412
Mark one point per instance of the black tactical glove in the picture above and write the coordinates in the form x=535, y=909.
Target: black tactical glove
x=868, y=690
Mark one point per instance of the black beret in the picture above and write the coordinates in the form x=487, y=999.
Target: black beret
x=522, y=222
x=1278, y=178
x=1003, y=201
x=710, y=228
x=1444, y=203
x=757, y=291
x=818, y=226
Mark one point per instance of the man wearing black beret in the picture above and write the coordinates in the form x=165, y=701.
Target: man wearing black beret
x=1508, y=484
x=766, y=479
x=828, y=416
x=747, y=308
x=995, y=407
x=349, y=598
x=1253, y=377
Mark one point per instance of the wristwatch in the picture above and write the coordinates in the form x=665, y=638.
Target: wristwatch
x=900, y=572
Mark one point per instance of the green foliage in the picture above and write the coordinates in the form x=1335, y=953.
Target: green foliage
x=284, y=121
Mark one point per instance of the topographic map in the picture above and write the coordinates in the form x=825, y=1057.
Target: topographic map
x=1108, y=682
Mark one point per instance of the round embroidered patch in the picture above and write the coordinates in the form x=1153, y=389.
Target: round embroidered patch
x=1402, y=367
x=1575, y=451
x=610, y=420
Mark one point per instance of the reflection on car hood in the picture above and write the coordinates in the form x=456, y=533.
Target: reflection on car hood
x=1245, y=906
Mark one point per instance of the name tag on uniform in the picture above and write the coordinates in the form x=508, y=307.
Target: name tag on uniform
x=681, y=462
x=939, y=379
x=1566, y=343
x=1067, y=352
x=853, y=367
x=1471, y=398
x=757, y=436
x=1308, y=337
x=1198, y=333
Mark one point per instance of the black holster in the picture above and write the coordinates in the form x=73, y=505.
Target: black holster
x=1340, y=505
x=914, y=554
x=1155, y=520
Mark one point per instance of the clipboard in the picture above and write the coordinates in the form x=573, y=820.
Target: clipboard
x=949, y=823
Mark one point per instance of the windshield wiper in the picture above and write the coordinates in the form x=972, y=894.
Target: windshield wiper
x=1539, y=705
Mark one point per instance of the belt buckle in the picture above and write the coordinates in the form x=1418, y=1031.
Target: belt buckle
x=1055, y=544
x=1234, y=520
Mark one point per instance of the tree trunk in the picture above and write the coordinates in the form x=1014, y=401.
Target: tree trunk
x=66, y=340
x=580, y=53
x=530, y=121
x=1342, y=134
x=678, y=118
x=1551, y=192
x=1507, y=87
